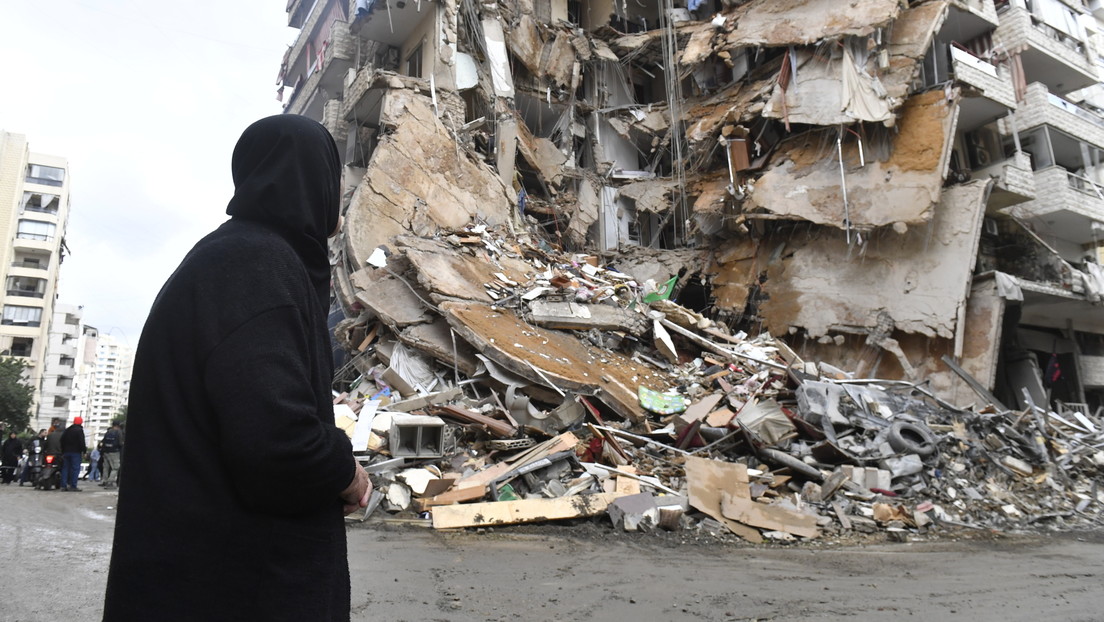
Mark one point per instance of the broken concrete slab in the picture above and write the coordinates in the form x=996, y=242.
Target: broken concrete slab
x=418, y=181
x=919, y=280
x=436, y=340
x=804, y=180
x=444, y=272
x=551, y=358
x=633, y=510
x=582, y=316
x=800, y=22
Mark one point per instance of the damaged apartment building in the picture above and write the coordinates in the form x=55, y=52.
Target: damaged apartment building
x=906, y=190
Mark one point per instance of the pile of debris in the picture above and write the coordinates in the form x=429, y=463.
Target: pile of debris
x=493, y=380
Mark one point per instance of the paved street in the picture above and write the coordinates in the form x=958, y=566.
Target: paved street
x=55, y=548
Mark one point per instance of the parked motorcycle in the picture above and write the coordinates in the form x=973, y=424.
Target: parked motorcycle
x=49, y=476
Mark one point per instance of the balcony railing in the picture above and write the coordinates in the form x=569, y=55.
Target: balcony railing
x=1073, y=108
x=38, y=237
x=41, y=210
x=33, y=265
x=44, y=181
x=1085, y=185
x=23, y=292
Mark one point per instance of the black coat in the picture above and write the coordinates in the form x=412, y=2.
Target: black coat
x=72, y=440
x=11, y=452
x=229, y=503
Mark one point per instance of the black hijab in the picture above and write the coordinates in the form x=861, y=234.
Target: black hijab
x=287, y=176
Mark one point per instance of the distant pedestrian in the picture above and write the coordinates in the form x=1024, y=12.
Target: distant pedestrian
x=111, y=448
x=94, y=458
x=73, y=446
x=10, y=453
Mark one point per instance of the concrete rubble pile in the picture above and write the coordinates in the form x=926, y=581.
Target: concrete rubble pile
x=493, y=380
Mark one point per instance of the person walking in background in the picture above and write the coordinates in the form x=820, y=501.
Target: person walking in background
x=237, y=478
x=10, y=453
x=94, y=458
x=111, y=448
x=73, y=446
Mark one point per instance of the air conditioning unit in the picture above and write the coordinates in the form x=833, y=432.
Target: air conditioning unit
x=981, y=155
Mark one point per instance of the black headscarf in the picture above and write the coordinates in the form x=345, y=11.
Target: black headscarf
x=287, y=176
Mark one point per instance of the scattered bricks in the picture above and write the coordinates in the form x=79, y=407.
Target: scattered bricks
x=417, y=436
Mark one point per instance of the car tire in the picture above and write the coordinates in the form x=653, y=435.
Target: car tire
x=910, y=438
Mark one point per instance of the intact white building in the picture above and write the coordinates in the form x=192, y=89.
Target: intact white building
x=110, y=383
x=63, y=350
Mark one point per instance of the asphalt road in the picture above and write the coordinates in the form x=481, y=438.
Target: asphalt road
x=55, y=546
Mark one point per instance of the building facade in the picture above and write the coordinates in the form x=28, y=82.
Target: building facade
x=914, y=191
x=34, y=211
x=110, y=385
x=63, y=351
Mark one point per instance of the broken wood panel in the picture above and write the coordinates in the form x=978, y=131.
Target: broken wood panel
x=772, y=517
x=804, y=180
x=559, y=358
x=420, y=182
x=520, y=511
x=706, y=480
x=456, y=495
x=799, y=22
x=918, y=279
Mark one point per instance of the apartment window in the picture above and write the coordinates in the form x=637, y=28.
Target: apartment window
x=60, y=402
x=36, y=230
x=21, y=346
x=39, y=202
x=22, y=316
x=64, y=382
x=26, y=286
x=414, y=62
x=66, y=361
x=45, y=175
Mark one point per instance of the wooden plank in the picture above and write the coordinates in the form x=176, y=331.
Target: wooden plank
x=707, y=479
x=456, y=495
x=520, y=511
x=627, y=485
x=772, y=517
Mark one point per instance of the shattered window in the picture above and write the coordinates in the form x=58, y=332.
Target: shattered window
x=38, y=202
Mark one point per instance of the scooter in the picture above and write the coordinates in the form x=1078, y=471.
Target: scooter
x=31, y=466
x=49, y=476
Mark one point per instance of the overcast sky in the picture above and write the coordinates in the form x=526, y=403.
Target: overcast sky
x=146, y=100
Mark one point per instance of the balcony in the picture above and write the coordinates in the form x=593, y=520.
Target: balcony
x=34, y=242
x=989, y=94
x=324, y=72
x=1065, y=206
x=1015, y=183
x=979, y=9
x=1043, y=108
x=1061, y=61
x=37, y=266
x=391, y=22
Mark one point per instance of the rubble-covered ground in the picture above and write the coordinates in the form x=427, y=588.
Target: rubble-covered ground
x=494, y=381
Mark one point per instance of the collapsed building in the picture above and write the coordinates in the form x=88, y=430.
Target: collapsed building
x=596, y=210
